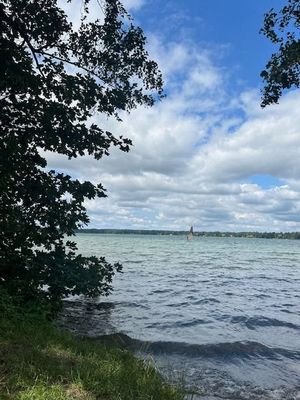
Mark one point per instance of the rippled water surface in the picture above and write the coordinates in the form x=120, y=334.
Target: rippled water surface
x=223, y=314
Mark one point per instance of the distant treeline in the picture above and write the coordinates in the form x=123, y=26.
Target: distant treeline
x=265, y=235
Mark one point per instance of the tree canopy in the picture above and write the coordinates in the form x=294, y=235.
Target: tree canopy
x=283, y=69
x=53, y=78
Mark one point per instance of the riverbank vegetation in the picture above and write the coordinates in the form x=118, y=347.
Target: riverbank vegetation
x=40, y=362
x=262, y=235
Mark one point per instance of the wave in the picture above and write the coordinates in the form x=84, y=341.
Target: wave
x=253, y=322
x=195, y=300
x=178, y=324
x=226, y=350
x=132, y=262
x=206, y=300
x=131, y=304
x=158, y=291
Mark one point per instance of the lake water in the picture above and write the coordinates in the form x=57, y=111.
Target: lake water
x=220, y=314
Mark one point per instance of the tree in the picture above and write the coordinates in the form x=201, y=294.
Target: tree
x=283, y=69
x=52, y=79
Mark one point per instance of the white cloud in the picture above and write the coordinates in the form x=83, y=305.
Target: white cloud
x=267, y=143
x=133, y=4
x=194, y=155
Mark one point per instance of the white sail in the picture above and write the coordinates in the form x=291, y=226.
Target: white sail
x=190, y=234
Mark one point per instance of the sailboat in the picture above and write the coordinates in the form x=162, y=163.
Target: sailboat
x=190, y=235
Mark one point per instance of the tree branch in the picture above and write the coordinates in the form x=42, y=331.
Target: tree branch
x=76, y=64
x=23, y=34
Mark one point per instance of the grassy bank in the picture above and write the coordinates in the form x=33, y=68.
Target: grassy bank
x=41, y=362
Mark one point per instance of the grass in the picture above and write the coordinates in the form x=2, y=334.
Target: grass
x=40, y=362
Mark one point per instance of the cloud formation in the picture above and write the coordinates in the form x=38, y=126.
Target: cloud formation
x=197, y=154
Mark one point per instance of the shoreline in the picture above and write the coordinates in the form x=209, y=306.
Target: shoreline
x=214, y=234
x=39, y=361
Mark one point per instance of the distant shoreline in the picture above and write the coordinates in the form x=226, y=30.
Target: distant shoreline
x=260, y=235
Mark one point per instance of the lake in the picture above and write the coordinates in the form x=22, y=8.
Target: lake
x=221, y=315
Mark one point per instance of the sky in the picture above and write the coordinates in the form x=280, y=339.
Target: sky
x=207, y=155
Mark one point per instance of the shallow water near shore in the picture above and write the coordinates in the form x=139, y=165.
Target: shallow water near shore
x=221, y=315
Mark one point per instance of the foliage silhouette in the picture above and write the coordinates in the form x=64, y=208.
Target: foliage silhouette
x=283, y=69
x=53, y=78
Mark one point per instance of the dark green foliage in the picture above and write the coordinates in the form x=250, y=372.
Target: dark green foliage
x=283, y=69
x=52, y=80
